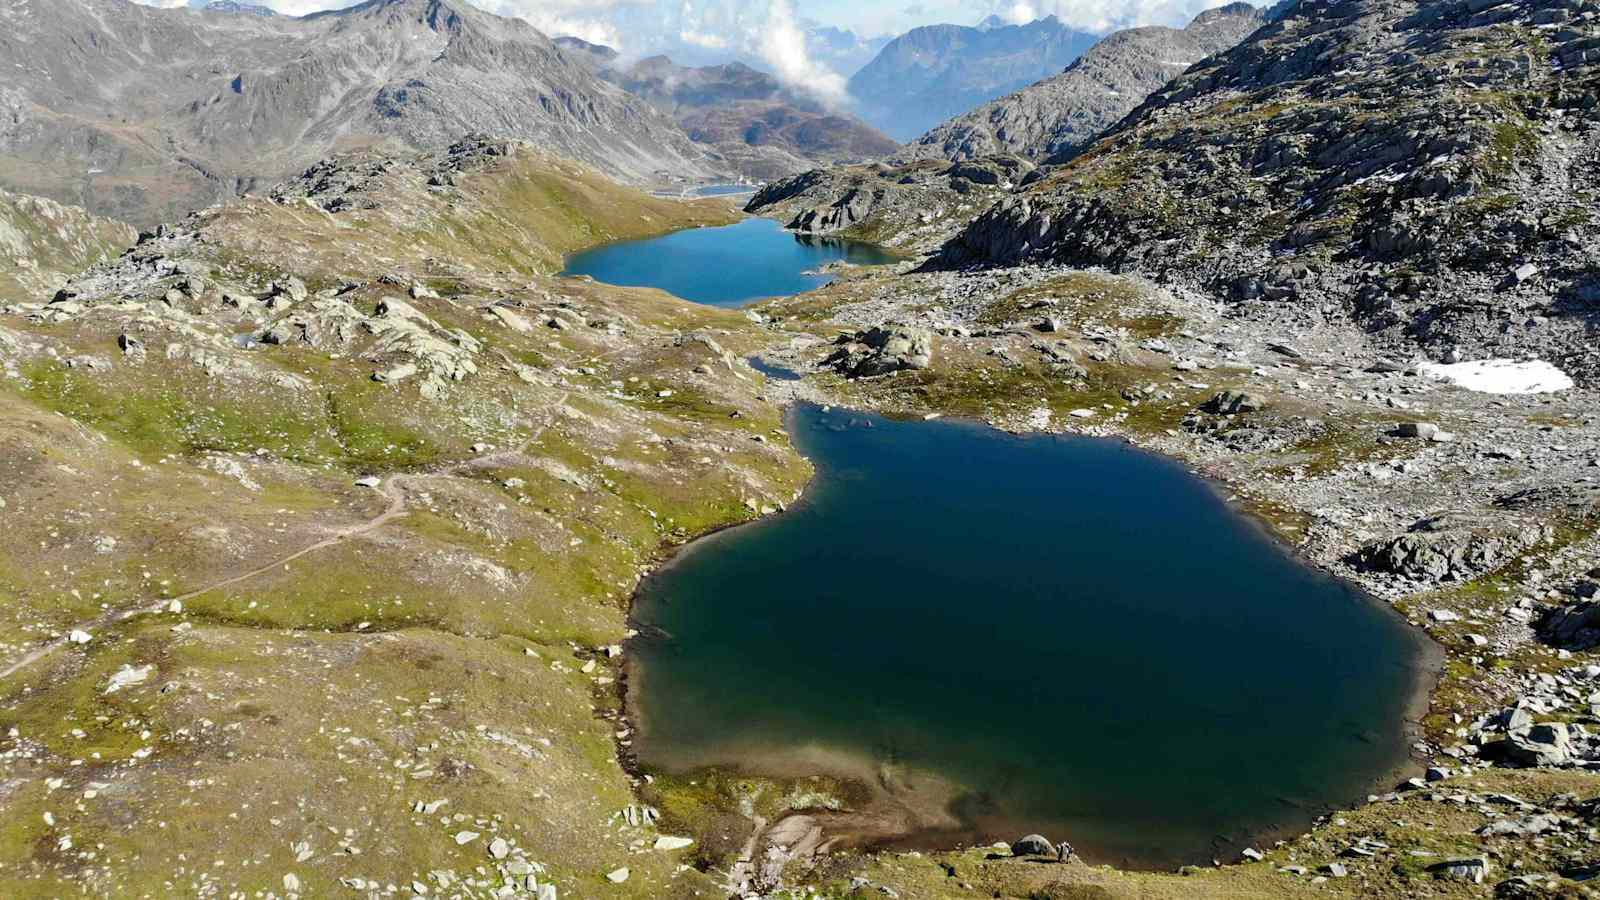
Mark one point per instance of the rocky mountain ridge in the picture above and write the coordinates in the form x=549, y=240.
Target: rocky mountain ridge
x=932, y=73
x=146, y=113
x=1107, y=82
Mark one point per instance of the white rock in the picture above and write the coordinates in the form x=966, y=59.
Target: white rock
x=128, y=676
x=79, y=636
x=465, y=837
x=291, y=883
x=499, y=849
x=666, y=842
x=618, y=876
x=371, y=481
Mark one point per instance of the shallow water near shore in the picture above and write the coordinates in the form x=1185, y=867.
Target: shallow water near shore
x=1082, y=639
x=726, y=266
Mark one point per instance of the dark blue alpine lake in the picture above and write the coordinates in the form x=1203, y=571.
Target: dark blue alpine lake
x=1015, y=634
x=726, y=266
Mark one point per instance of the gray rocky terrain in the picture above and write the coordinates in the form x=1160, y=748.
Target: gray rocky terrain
x=144, y=113
x=745, y=118
x=1423, y=173
x=930, y=74
x=1092, y=94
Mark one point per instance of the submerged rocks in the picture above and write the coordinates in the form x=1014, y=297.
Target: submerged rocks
x=882, y=350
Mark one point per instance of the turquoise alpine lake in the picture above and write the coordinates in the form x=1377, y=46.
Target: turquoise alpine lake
x=729, y=265
x=1001, y=634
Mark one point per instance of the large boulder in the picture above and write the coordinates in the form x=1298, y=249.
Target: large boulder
x=882, y=350
x=1033, y=845
x=1572, y=627
x=1472, y=870
x=1450, y=548
x=1231, y=403
x=1546, y=744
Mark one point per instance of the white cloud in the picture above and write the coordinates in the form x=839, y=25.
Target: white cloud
x=783, y=45
x=1101, y=16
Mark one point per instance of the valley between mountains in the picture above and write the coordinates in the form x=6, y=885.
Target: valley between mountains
x=328, y=495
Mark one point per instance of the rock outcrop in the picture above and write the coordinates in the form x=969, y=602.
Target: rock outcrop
x=1094, y=93
x=881, y=351
x=1421, y=171
x=916, y=205
x=1449, y=548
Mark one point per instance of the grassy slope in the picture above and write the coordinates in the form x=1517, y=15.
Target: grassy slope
x=42, y=242
x=291, y=721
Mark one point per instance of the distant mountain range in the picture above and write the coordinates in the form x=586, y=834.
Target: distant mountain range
x=1098, y=89
x=931, y=74
x=143, y=113
x=747, y=118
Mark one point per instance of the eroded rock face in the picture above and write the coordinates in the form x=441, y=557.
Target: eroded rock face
x=1449, y=548
x=882, y=350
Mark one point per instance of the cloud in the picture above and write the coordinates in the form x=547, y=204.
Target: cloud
x=783, y=46
x=1100, y=16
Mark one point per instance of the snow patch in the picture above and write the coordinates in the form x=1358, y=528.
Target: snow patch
x=1500, y=376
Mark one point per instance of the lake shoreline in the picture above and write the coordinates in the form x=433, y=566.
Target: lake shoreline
x=1424, y=665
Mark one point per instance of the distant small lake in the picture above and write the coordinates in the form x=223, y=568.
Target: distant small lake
x=727, y=266
x=724, y=190
x=1012, y=634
